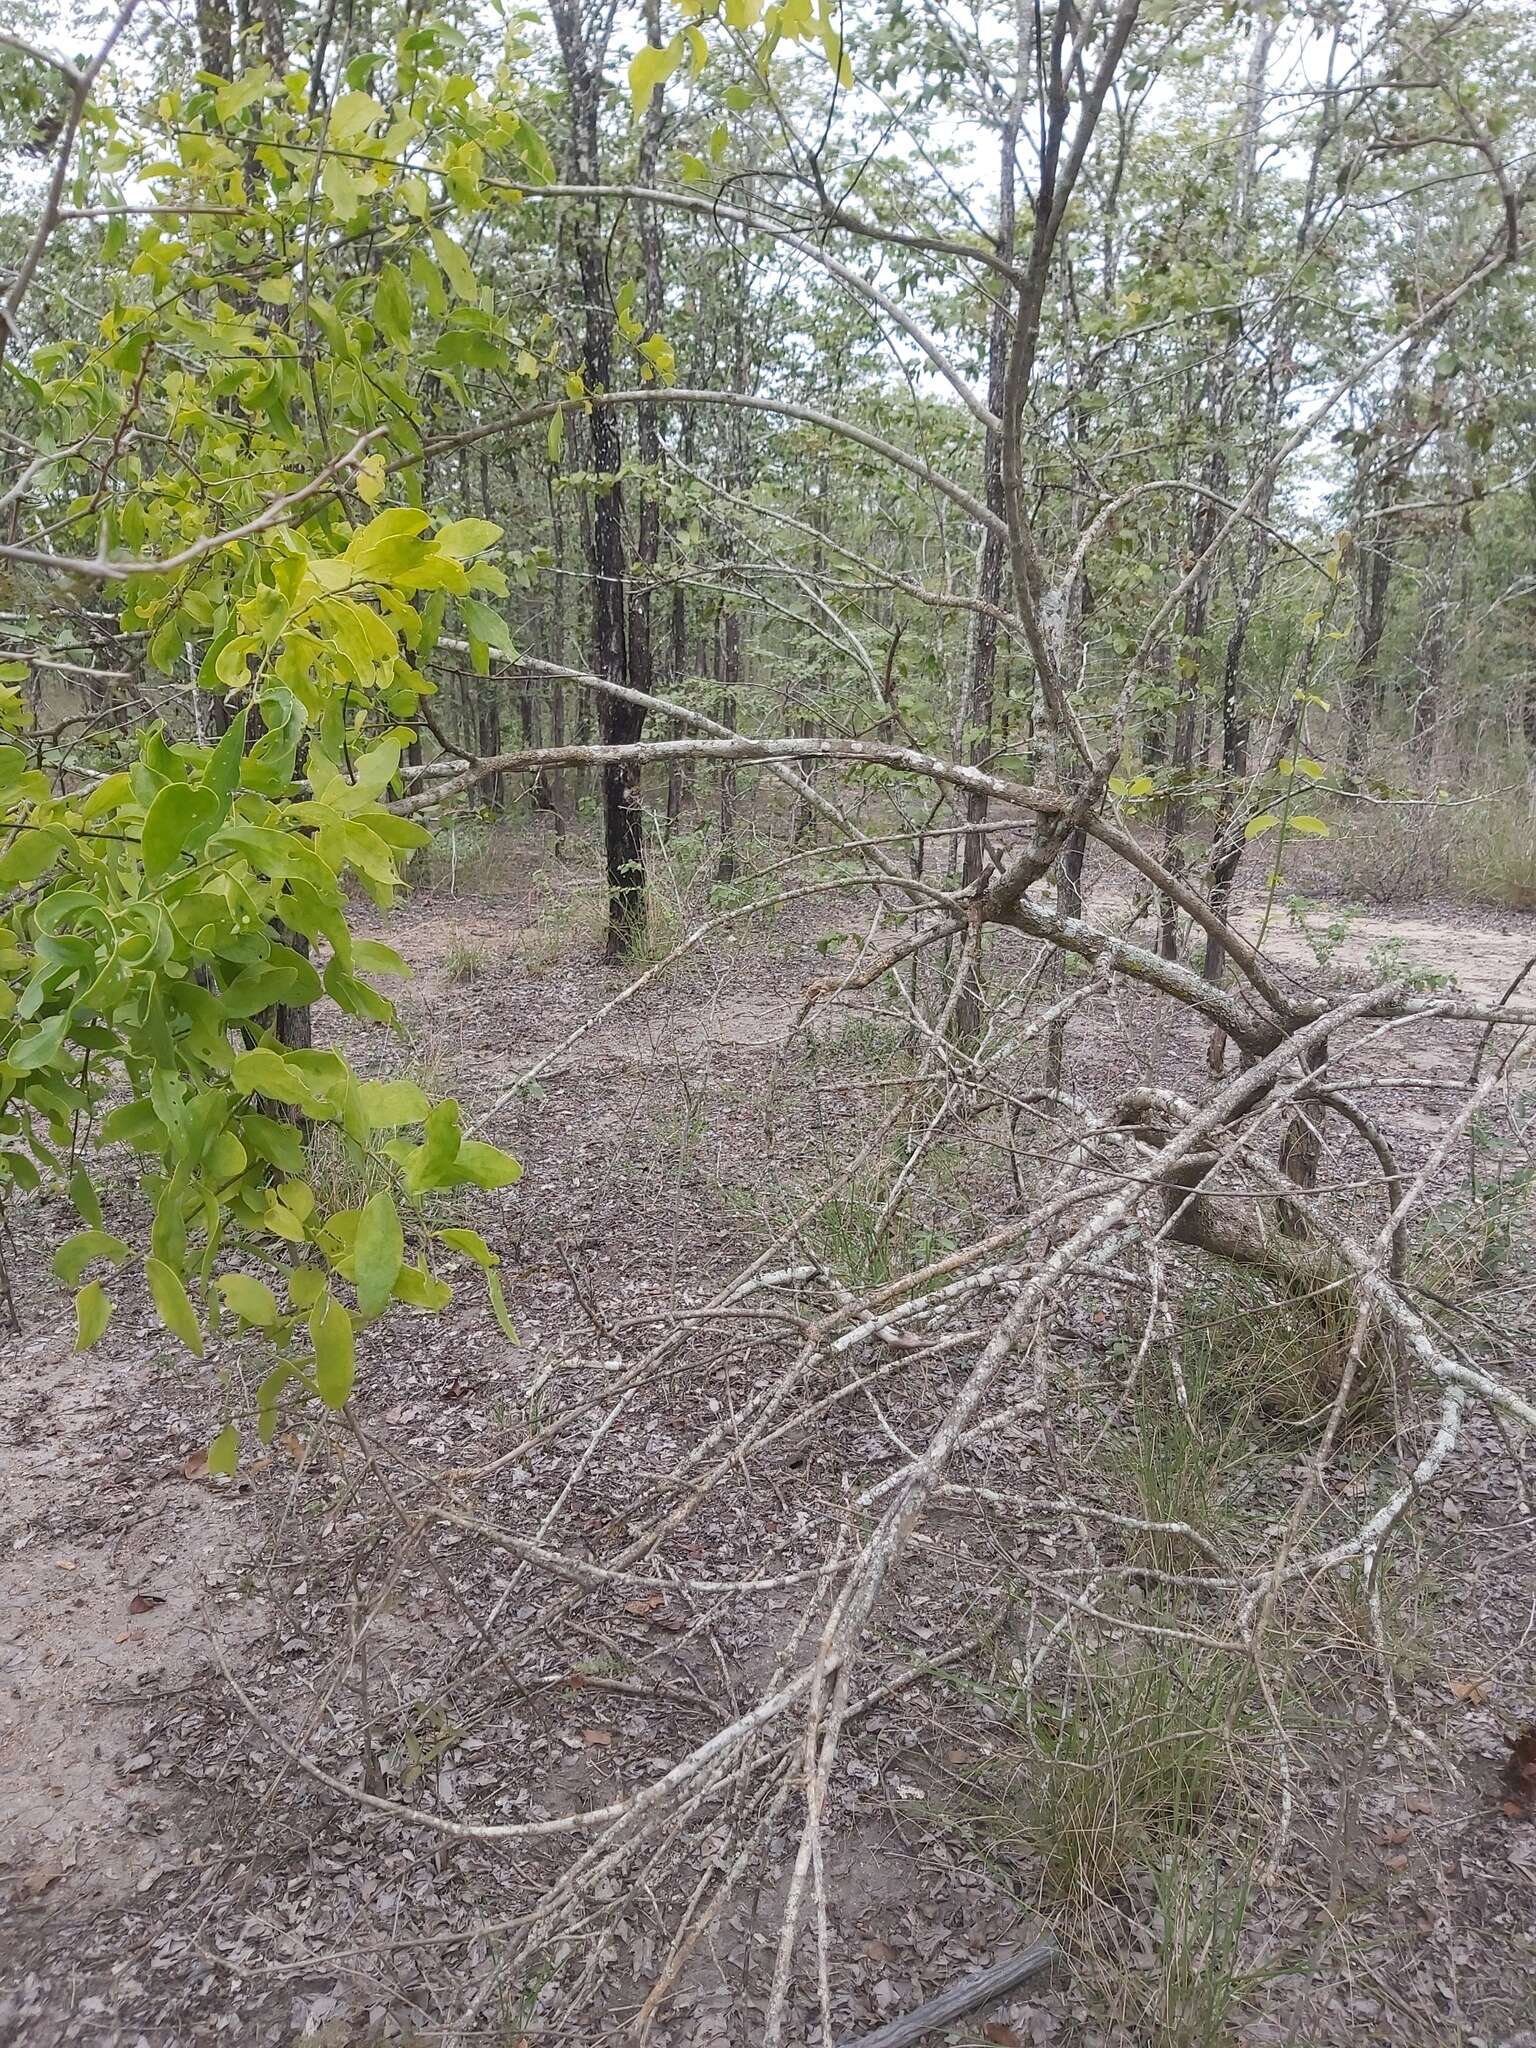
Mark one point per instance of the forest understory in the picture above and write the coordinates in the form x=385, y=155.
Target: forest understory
x=767, y=985
x=178, y=1649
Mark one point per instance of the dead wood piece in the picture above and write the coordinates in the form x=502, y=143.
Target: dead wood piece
x=981, y=1987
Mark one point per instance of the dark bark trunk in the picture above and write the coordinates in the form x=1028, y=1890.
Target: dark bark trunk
x=215, y=38
x=642, y=663
x=619, y=723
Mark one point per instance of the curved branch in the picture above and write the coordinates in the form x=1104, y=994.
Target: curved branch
x=742, y=401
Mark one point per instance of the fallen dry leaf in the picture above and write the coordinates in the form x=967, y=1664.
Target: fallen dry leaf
x=65, y=1564
x=37, y=1881
x=1475, y=1691
x=196, y=1467
x=1520, y=1775
x=145, y=1603
x=597, y=1738
x=1002, y=2036
x=646, y=1604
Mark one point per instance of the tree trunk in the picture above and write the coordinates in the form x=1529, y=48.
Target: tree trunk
x=677, y=663
x=981, y=667
x=642, y=666
x=619, y=723
x=728, y=674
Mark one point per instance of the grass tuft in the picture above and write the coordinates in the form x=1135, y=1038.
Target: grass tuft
x=464, y=961
x=1136, y=1757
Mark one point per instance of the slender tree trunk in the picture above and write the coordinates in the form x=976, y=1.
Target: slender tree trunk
x=981, y=666
x=215, y=38
x=728, y=675
x=642, y=665
x=677, y=665
x=1377, y=560
x=619, y=723
x=729, y=642
x=1434, y=648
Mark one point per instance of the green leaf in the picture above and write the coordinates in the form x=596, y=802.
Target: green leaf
x=306, y=1284
x=40, y=1048
x=93, y=1312
x=457, y=268
x=485, y=1166
x=264, y=1072
x=392, y=305
x=421, y=1289
x=554, y=440
x=266, y=1400
x=1266, y=821
x=378, y=1252
x=224, y=1452
x=487, y=626
x=462, y=538
x=1309, y=827
x=82, y=1250
x=82, y=1192
x=249, y=1298
x=221, y=777
x=471, y=1244
x=330, y=1331
x=499, y=1307
x=353, y=114
x=174, y=1307
x=30, y=855
x=388, y=1104
x=530, y=146
x=430, y=1164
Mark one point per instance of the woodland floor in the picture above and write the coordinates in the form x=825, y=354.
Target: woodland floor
x=166, y=1875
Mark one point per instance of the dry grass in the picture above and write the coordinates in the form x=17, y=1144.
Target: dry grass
x=1256, y=1359
x=1395, y=854
x=345, y=1173
x=464, y=961
x=1136, y=1755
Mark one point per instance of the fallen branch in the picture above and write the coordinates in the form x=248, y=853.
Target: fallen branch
x=982, y=1987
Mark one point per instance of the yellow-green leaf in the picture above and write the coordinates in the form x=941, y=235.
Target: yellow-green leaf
x=471, y=1244
x=93, y=1312
x=499, y=1307
x=392, y=305
x=388, y=1104
x=457, y=267
x=330, y=1331
x=224, y=1451
x=179, y=816
x=174, y=1308
x=250, y=1299
x=377, y=1253
x=81, y=1250
x=649, y=68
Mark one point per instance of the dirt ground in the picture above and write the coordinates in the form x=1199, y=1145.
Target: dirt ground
x=169, y=1876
